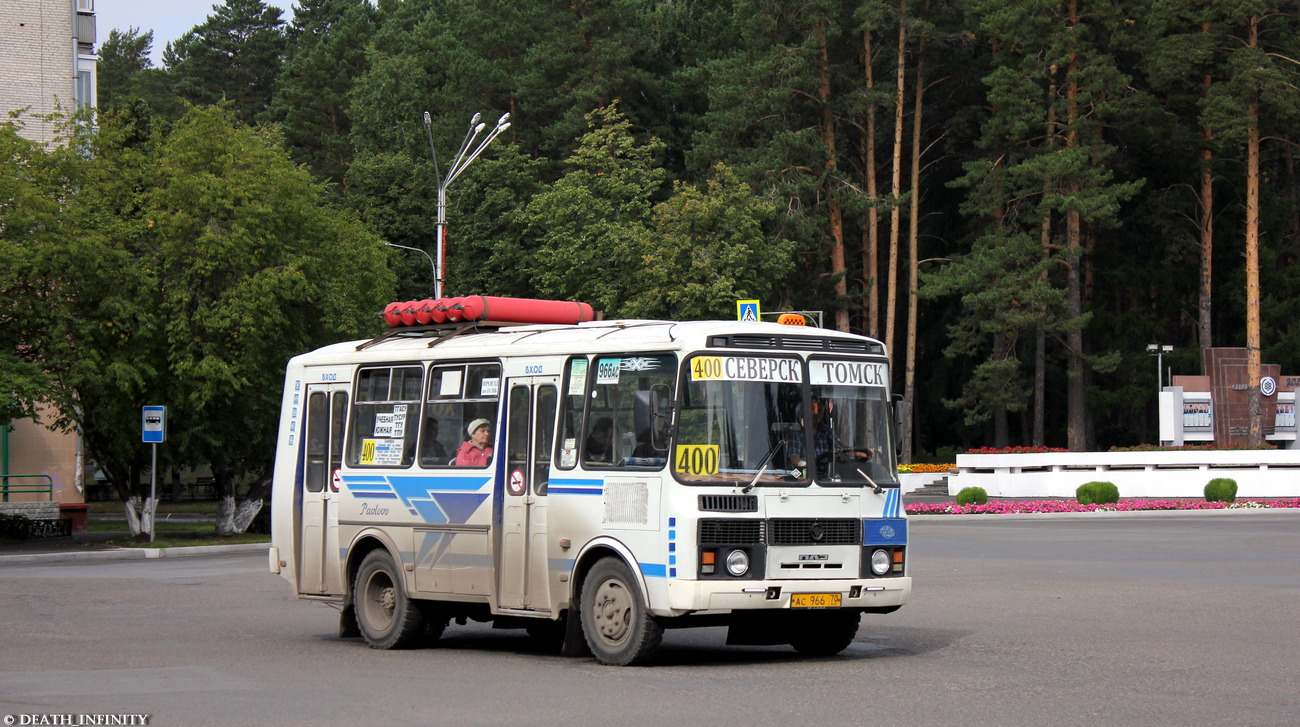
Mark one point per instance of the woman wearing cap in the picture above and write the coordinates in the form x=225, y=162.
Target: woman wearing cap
x=476, y=452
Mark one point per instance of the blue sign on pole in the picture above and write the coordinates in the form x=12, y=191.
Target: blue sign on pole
x=153, y=424
x=747, y=310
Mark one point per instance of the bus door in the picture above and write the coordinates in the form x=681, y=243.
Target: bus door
x=531, y=409
x=318, y=545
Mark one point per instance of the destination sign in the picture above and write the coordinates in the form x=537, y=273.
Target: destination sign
x=848, y=373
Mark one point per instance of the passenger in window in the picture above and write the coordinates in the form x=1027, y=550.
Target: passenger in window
x=476, y=452
x=434, y=452
x=600, y=443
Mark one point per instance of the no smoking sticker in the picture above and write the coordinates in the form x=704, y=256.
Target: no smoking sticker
x=517, y=482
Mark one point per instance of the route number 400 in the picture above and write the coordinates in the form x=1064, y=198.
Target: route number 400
x=696, y=459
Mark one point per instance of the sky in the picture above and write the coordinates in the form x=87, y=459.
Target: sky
x=168, y=19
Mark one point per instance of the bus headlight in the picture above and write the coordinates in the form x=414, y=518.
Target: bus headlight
x=737, y=563
x=880, y=562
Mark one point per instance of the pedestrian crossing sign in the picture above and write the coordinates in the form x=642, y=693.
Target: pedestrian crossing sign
x=747, y=311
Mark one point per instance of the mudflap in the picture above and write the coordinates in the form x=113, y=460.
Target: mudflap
x=348, y=628
x=756, y=628
x=575, y=643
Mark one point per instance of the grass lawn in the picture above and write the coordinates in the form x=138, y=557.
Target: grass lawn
x=198, y=507
x=170, y=533
x=164, y=539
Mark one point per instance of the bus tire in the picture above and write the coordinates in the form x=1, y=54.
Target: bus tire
x=619, y=629
x=826, y=634
x=386, y=617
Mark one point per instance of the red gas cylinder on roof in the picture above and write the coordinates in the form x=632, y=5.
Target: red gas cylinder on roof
x=392, y=314
x=424, y=312
x=487, y=309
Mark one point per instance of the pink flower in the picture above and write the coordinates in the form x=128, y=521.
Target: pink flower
x=1016, y=507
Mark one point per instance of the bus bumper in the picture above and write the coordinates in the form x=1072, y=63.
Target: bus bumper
x=686, y=596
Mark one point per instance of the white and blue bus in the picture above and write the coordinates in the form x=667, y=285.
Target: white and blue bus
x=634, y=476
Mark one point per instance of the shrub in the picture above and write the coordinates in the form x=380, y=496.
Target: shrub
x=1221, y=489
x=972, y=496
x=1097, y=493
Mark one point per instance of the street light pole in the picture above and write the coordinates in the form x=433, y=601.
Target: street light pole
x=462, y=159
x=432, y=267
x=1159, y=349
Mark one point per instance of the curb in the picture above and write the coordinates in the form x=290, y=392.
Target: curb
x=133, y=553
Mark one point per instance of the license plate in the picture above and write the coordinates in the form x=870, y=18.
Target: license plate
x=815, y=600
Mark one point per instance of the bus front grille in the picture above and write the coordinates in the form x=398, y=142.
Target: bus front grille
x=730, y=532
x=729, y=503
x=815, y=531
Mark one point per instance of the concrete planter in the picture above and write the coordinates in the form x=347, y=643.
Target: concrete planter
x=1179, y=474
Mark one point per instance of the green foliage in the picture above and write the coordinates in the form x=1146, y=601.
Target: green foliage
x=972, y=496
x=191, y=264
x=325, y=56
x=1221, y=489
x=1097, y=493
x=591, y=222
x=31, y=216
x=235, y=54
x=705, y=250
x=247, y=252
x=1036, y=115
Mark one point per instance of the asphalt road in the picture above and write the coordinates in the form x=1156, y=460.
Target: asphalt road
x=1150, y=620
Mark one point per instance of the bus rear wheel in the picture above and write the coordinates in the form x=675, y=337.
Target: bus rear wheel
x=619, y=628
x=386, y=618
x=826, y=634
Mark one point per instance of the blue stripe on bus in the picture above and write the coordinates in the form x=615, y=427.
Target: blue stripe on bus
x=572, y=486
x=893, y=503
x=439, y=500
x=653, y=570
x=552, y=490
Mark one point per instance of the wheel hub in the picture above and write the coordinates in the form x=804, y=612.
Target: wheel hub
x=612, y=612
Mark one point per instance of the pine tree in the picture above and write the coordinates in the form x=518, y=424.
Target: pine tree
x=236, y=54
x=326, y=55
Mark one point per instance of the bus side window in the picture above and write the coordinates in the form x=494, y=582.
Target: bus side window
x=385, y=416
x=575, y=392
x=458, y=395
x=631, y=407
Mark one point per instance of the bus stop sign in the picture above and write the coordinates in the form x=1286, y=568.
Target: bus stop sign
x=153, y=424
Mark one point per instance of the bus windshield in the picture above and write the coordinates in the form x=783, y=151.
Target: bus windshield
x=739, y=421
x=850, y=423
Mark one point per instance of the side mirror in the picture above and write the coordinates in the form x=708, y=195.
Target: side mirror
x=896, y=424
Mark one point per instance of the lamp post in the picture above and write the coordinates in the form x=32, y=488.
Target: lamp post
x=463, y=159
x=432, y=267
x=1159, y=349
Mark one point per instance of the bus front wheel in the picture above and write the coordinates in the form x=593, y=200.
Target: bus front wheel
x=386, y=618
x=619, y=628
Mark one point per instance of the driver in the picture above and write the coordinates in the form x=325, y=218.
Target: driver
x=826, y=443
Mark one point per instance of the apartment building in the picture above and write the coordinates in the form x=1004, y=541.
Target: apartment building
x=47, y=59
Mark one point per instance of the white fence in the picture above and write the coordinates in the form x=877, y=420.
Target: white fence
x=1259, y=473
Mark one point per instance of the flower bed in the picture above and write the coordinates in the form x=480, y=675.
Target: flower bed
x=924, y=469
x=1014, y=450
x=1016, y=507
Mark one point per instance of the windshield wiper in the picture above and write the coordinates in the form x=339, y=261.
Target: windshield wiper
x=763, y=465
x=876, y=488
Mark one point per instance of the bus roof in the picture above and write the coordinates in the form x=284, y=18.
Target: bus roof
x=630, y=335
